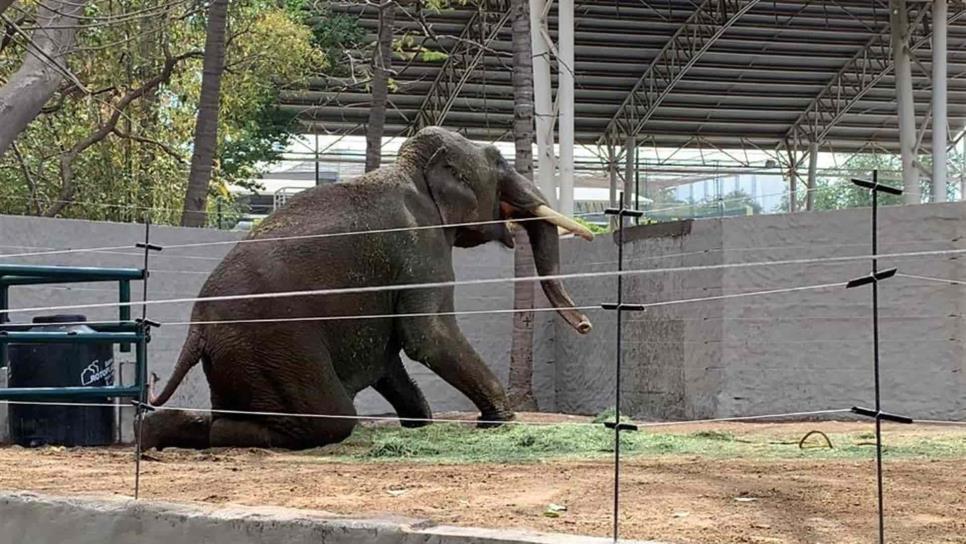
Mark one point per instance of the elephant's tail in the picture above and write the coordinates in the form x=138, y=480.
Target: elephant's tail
x=191, y=353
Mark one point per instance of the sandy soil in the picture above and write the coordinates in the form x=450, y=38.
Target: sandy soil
x=672, y=499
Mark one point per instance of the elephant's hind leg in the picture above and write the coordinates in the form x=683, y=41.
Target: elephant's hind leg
x=403, y=394
x=229, y=432
x=174, y=429
x=298, y=378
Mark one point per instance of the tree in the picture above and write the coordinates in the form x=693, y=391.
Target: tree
x=836, y=193
x=43, y=69
x=206, y=129
x=520, y=389
x=381, y=67
x=110, y=126
x=116, y=171
x=4, y=4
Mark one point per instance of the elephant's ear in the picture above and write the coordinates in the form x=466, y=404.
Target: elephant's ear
x=454, y=197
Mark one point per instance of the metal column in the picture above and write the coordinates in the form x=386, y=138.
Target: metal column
x=899, y=21
x=939, y=52
x=316, y=161
x=612, y=172
x=812, y=171
x=565, y=103
x=630, y=151
x=542, y=103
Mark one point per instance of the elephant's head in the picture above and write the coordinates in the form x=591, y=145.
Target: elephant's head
x=473, y=183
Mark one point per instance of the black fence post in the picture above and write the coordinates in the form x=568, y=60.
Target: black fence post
x=874, y=278
x=141, y=405
x=618, y=425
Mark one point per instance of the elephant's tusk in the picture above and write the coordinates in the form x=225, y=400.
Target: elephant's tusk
x=513, y=226
x=563, y=221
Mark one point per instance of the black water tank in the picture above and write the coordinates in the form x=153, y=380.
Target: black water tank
x=61, y=365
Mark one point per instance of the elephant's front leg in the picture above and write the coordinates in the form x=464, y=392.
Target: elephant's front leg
x=438, y=343
x=403, y=394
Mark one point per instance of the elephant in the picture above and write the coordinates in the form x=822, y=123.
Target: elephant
x=392, y=226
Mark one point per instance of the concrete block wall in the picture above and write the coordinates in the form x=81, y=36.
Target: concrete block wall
x=784, y=352
x=812, y=350
x=669, y=373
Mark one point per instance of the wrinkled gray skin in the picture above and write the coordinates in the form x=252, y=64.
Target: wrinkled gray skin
x=317, y=367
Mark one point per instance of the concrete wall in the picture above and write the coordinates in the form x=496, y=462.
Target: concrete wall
x=26, y=517
x=785, y=352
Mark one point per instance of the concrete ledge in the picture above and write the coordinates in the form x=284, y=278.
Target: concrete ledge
x=27, y=517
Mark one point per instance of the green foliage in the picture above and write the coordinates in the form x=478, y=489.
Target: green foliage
x=714, y=435
x=334, y=33
x=453, y=443
x=427, y=55
x=838, y=193
x=666, y=207
x=609, y=416
x=144, y=163
x=594, y=227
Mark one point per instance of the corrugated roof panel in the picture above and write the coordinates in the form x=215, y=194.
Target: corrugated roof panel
x=751, y=85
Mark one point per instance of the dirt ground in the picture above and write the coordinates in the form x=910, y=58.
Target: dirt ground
x=699, y=499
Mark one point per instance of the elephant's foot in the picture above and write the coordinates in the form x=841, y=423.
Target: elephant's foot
x=422, y=421
x=489, y=420
x=174, y=429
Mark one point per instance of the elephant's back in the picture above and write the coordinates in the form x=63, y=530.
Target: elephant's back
x=335, y=236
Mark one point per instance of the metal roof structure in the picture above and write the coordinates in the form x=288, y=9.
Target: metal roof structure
x=715, y=73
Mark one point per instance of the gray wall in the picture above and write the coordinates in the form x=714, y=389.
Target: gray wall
x=784, y=352
x=799, y=351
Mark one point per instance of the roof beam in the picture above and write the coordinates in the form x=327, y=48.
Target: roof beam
x=863, y=72
x=458, y=67
x=698, y=33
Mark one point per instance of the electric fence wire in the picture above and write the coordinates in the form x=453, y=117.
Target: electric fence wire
x=276, y=238
x=180, y=210
x=463, y=312
x=932, y=279
x=396, y=287
x=461, y=421
x=942, y=422
x=490, y=281
x=580, y=267
x=283, y=238
x=458, y=313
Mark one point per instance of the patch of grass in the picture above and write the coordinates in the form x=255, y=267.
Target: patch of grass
x=714, y=435
x=454, y=443
x=393, y=447
x=609, y=416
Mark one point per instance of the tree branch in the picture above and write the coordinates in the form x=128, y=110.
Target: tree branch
x=68, y=157
x=145, y=140
x=28, y=178
x=4, y=4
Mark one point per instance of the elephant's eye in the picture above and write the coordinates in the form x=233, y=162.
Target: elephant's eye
x=456, y=173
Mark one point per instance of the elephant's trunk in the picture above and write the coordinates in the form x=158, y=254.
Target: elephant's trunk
x=520, y=199
x=546, y=256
